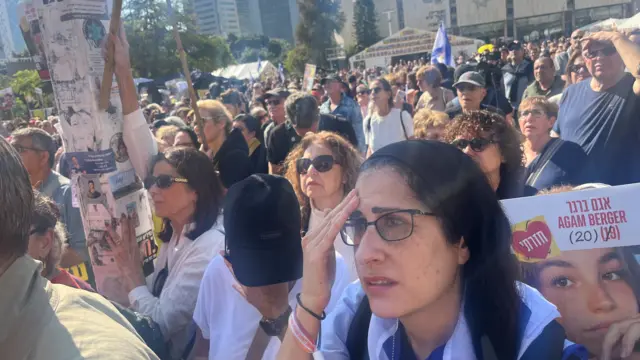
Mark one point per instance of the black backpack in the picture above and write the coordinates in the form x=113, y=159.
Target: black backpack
x=549, y=345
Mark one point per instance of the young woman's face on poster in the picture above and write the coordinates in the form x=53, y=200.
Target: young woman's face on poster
x=591, y=290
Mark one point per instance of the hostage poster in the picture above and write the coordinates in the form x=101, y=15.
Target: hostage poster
x=580, y=249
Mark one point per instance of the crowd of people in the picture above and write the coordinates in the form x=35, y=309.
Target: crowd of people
x=369, y=205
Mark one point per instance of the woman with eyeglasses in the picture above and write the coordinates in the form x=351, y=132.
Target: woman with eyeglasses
x=549, y=161
x=437, y=278
x=323, y=169
x=386, y=123
x=46, y=242
x=250, y=128
x=494, y=145
x=186, y=193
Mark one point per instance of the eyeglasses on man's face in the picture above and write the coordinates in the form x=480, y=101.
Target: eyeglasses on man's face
x=393, y=226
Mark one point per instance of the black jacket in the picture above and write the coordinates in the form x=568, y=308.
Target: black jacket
x=259, y=164
x=338, y=125
x=232, y=160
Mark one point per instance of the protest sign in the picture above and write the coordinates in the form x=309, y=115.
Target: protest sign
x=309, y=77
x=579, y=249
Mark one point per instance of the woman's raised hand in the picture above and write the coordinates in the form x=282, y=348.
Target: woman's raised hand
x=319, y=264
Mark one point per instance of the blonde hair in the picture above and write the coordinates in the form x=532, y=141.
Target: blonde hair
x=214, y=110
x=425, y=119
x=551, y=109
x=344, y=154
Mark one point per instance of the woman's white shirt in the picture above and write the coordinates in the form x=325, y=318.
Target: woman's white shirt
x=187, y=261
x=229, y=322
x=347, y=252
x=386, y=130
x=459, y=347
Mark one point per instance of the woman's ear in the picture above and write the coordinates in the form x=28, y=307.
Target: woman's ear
x=463, y=252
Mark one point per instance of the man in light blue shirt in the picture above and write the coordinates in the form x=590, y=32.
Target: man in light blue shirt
x=343, y=106
x=37, y=149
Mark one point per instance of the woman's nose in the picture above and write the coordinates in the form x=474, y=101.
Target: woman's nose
x=599, y=299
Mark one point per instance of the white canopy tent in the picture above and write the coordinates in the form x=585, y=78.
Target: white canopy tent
x=602, y=25
x=630, y=23
x=248, y=70
x=410, y=41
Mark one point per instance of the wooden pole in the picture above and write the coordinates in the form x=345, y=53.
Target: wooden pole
x=187, y=74
x=107, y=76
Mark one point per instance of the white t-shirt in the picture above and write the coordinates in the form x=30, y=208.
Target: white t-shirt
x=230, y=322
x=382, y=131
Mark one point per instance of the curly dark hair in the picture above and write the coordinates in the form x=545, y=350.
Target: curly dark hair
x=345, y=155
x=490, y=125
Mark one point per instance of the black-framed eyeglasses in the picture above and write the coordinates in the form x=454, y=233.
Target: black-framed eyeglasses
x=322, y=163
x=606, y=51
x=21, y=149
x=393, y=226
x=163, y=181
x=477, y=144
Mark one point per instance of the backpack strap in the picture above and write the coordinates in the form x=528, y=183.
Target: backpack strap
x=404, y=130
x=359, y=332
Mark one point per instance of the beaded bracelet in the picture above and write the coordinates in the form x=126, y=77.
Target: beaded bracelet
x=301, y=335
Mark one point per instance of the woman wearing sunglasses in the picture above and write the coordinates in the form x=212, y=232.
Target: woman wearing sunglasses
x=494, y=145
x=550, y=161
x=186, y=193
x=576, y=71
x=323, y=169
x=385, y=124
x=437, y=279
x=46, y=239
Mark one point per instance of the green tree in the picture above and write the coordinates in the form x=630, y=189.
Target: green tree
x=365, y=23
x=319, y=20
x=5, y=81
x=25, y=82
x=297, y=58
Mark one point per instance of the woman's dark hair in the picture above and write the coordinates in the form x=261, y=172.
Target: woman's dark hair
x=386, y=86
x=197, y=168
x=490, y=125
x=413, y=81
x=252, y=124
x=192, y=135
x=452, y=186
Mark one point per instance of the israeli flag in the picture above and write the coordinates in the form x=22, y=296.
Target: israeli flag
x=259, y=65
x=441, y=52
x=281, y=72
x=251, y=79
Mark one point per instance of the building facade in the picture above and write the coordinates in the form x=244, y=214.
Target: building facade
x=10, y=35
x=279, y=18
x=249, y=17
x=492, y=19
x=217, y=17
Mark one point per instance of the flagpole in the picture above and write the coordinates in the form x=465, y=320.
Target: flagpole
x=109, y=64
x=187, y=74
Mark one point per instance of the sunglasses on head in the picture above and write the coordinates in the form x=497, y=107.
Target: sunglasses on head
x=163, y=181
x=322, y=163
x=274, y=102
x=477, y=144
x=607, y=51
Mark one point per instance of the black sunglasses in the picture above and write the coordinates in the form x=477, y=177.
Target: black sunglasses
x=577, y=68
x=607, y=51
x=275, y=102
x=477, y=144
x=364, y=92
x=163, y=181
x=393, y=226
x=377, y=90
x=322, y=163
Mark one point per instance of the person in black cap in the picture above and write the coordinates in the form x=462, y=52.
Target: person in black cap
x=302, y=117
x=275, y=105
x=517, y=75
x=494, y=97
x=232, y=100
x=246, y=296
x=471, y=90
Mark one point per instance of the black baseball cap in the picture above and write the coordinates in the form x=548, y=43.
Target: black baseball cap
x=471, y=77
x=331, y=77
x=262, y=231
x=515, y=45
x=277, y=92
